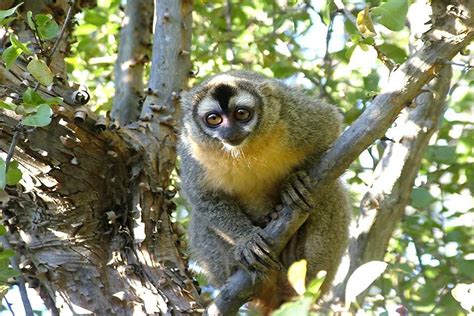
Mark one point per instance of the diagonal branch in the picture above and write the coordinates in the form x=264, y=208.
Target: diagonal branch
x=441, y=44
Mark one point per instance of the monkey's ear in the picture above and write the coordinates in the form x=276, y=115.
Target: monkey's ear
x=268, y=89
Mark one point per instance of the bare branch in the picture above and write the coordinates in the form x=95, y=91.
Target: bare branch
x=133, y=52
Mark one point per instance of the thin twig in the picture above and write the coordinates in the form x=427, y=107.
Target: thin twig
x=9, y=305
x=63, y=29
x=36, y=35
x=11, y=149
x=347, y=13
x=327, y=61
x=20, y=279
x=380, y=55
x=465, y=66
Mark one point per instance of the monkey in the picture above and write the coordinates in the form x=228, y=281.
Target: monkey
x=246, y=144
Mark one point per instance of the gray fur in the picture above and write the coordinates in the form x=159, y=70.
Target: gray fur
x=219, y=221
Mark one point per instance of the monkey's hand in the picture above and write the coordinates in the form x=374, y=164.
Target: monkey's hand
x=254, y=253
x=296, y=192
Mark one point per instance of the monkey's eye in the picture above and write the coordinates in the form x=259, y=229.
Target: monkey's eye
x=242, y=114
x=213, y=119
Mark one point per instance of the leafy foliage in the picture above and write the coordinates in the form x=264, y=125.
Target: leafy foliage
x=312, y=45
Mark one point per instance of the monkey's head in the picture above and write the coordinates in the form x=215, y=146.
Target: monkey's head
x=230, y=109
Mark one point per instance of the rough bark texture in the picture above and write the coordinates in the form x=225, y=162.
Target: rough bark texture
x=450, y=32
x=133, y=53
x=91, y=218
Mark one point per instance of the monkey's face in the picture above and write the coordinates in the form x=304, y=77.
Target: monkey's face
x=228, y=113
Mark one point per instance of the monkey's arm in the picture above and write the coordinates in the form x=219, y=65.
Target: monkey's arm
x=221, y=235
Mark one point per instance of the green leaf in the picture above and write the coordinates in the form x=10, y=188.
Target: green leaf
x=40, y=71
x=7, y=21
x=95, y=17
x=42, y=117
x=6, y=13
x=3, y=176
x=47, y=27
x=421, y=198
x=32, y=98
x=13, y=174
x=17, y=44
x=442, y=154
x=314, y=285
x=299, y=307
x=3, y=230
x=392, y=14
x=10, y=55
x=393, y=52
x=7, y=273
x=8, y=106
x=6, y=253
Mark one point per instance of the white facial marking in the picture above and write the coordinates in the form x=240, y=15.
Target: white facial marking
x=208, y=104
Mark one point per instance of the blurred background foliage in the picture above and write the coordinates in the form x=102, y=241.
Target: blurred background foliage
x=311, y=44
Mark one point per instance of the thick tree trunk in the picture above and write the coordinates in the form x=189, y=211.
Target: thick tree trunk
x=91, y=218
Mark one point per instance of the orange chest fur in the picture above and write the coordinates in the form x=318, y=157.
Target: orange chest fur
x=253, y=177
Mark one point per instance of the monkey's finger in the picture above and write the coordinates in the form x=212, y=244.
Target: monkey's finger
x=265, y=243
x=253, y=262
x=247, y=258
x=296, y=200
x=286, y=199
x=265, y=258
x=303, y=176
x=304, y=194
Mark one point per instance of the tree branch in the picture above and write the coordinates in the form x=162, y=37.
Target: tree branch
x=133, y=52
x=442, y=42
x=384, y=204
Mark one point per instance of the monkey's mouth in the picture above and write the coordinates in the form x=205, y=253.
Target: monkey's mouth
x=233, y=142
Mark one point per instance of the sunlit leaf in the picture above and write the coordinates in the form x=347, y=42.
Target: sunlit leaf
x=3, y=230
x=392, y=14
x=17, y=44
x=297, y=276
x=362, y=278
x=464, y=294
x=6, y=13
x=42, y=117
x=8, y=106
x=365, y=24
x=40, y=71
x=314, y=285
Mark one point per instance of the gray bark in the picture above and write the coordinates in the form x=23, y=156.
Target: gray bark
x=91, y=218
